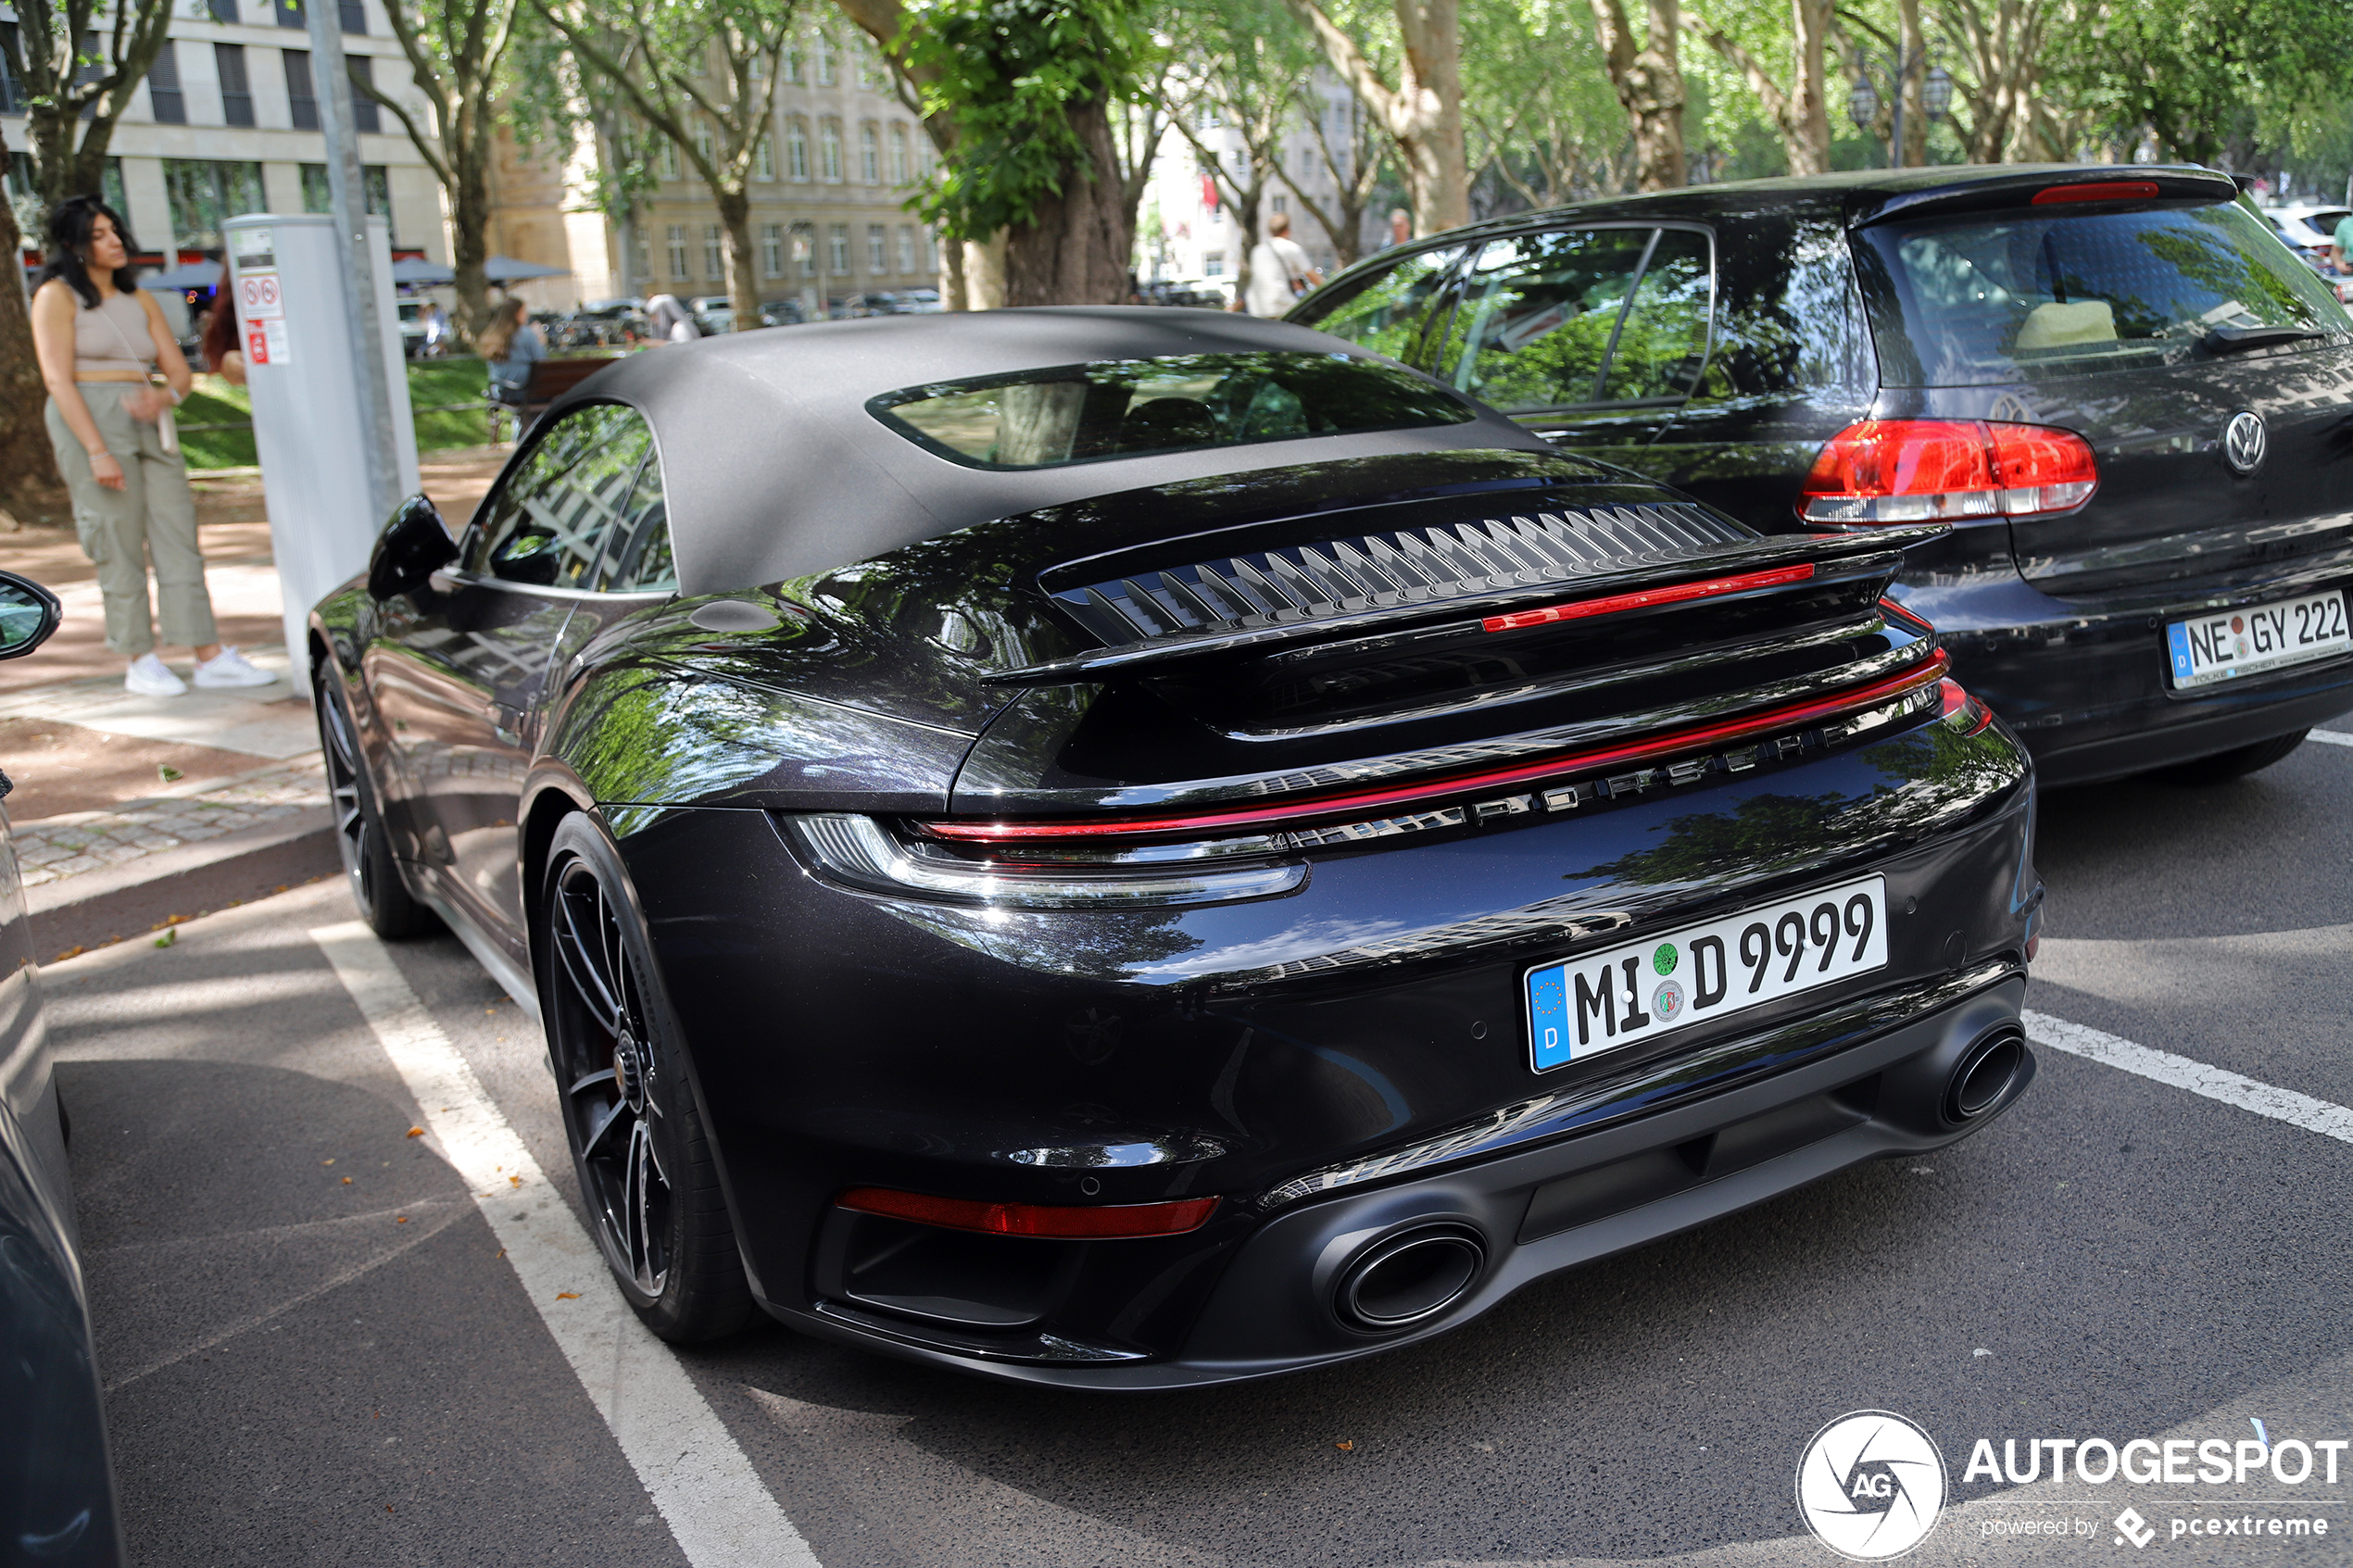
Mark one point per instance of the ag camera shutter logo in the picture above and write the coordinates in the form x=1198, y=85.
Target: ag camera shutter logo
x=1870, y=1485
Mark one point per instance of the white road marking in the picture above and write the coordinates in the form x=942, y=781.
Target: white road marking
x=2333, y=737
x=2264, y=1099
x=706, y=1489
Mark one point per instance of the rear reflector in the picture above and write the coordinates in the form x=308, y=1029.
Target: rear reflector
x=1932, y=471
x=1330, y=808
x=1676, y=594
x=1964, y=712
x=1116, y=1222
x=2098, y=190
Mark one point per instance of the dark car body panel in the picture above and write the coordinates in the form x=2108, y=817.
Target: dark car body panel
x=842, y=1037
x=2057, y=621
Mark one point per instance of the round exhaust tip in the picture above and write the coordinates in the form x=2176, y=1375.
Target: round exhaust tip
x=1410, y=1278
x=1986, y=1072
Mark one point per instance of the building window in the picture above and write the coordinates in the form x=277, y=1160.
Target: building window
x=222, y=10
x=641, y=251
x=792, y=62
x=11, y=91
x=236, y=92
x=165, y=100
x=202, y=192
x=907, y=262
x=1212, y=264
x=702, y=139
x=823, y=47
x=869, y=154
x=796, y=149
x=771, y=250
x=804, y=249
x=713, y=237
x=763, y=159
x=677, y=250
x=1282, y=204
x=318, y=193
x=898, y=154
x=838, y=250
x=877, y=250
x=829, y=151
x=363, y=77
x=352, y=14
x=301, y=102
x=666, y=160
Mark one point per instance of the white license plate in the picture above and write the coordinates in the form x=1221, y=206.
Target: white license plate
x=2232, y=643
x=1608, y=1001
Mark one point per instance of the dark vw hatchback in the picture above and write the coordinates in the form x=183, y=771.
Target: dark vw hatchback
x=1132, y=848
x=2125, y=394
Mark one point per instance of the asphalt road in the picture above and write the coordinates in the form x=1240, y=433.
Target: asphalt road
x=318, y=1354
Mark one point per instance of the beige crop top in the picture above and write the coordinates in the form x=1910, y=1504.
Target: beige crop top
x=111, y=338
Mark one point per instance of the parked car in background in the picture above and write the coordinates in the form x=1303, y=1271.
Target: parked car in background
x=57, y=1488
x=784, y=312
x=412, y=327
x=2116, y=382
x=2309, y=226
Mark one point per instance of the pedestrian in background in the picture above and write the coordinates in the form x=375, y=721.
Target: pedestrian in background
x=670, y=321
x=99, y=339
x=1401, y=227
x=436, y=325
x=1280, y=270
x=511, y=346
x=219, y=343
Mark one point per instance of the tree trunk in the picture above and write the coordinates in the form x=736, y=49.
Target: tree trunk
x=31, y=492
x=1436, y=160
x=1077, y=250
x=742, y=277
x=470, y=206
x=951, y=276
x=1648, y=77
x=1807, y=135
x=1914, y=42
x=985, y=272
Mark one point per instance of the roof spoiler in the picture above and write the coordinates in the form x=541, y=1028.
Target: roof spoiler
x=2051, y=184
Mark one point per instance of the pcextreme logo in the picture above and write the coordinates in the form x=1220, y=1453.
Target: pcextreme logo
x=1870, y=1485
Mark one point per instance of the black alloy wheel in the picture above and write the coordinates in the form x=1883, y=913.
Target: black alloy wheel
x=646, y=1168
x=384, y=899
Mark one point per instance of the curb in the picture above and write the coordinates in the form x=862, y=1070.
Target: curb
x=102, y=906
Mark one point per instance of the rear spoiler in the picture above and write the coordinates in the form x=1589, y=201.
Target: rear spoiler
x=2015, y=188
x=1158, y=655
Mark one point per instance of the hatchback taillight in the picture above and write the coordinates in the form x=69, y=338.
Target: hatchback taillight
x=1939, y=470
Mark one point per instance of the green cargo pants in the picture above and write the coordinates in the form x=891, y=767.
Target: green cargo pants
x=153, y=516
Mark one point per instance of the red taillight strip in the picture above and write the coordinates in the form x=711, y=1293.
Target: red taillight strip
x=1110, y=1221
x=2098, y=190
x=1245, y=819
x=1676, y=594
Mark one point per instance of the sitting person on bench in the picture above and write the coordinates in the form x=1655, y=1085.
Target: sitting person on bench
x=511, y=346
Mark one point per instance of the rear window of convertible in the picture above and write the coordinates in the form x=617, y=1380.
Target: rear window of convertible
x=1173, y=403
x=1984, y=300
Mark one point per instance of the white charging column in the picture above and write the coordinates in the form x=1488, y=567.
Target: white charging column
x=292, y=294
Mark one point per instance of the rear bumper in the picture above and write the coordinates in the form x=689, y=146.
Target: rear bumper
x=1545, y=1208
x=2087, y=692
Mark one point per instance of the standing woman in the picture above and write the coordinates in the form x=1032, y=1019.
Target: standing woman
x=98, y=337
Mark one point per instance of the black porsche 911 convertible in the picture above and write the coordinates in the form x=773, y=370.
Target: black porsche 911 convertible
x=1137, y=848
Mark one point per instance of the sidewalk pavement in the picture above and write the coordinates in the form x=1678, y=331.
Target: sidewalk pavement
x=130, y=813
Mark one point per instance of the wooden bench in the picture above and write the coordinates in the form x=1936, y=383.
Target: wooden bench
x=550, y=378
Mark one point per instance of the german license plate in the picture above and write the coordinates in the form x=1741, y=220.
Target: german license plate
x=1606, y=1001
x=2232, y=643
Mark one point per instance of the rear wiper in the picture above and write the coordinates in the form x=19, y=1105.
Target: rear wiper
x=2226, y=338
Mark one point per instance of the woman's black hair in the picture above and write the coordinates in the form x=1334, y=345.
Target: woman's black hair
x=69, y=229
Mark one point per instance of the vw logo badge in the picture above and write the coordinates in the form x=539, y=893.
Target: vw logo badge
x=2244, y=441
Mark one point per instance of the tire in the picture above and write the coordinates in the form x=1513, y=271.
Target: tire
x=2224, y=765
x=647, y=1173
x=383, y=898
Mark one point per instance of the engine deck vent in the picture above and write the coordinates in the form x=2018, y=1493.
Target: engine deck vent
x=1373, y=570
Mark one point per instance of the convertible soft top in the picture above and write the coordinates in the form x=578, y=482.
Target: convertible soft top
x=775, y=467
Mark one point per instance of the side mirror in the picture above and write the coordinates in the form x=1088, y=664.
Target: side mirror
x=413, y=547
x=29, y=612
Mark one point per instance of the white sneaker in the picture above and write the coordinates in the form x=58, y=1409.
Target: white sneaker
x=149, y=677
x=228, y=668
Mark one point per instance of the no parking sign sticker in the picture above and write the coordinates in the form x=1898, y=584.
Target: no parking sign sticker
x=262, y=310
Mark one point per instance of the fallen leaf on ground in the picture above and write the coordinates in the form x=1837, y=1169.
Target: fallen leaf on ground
x=169, y=773
x=416, y=1132
x=346, y=1180
x=167, y=939
x=567, y=1296
x=514, y=1181
x=1345, y=1446
x=326, y=1162
x=400, y=1219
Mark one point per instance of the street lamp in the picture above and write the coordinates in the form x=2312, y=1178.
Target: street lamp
x=1863, y=101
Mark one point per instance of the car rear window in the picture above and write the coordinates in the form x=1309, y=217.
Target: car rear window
x=1980, y=300
x=1175, y=402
